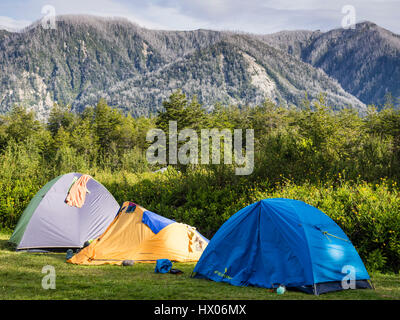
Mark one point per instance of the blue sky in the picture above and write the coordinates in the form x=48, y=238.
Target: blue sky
x=256, y=16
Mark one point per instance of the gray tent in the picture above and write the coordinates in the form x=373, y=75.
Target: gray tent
x=49, y=222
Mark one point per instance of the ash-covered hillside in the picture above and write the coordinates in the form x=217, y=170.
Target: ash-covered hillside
x=133, y=68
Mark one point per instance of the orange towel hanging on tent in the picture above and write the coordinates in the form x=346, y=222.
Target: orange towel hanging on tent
x=77, y=194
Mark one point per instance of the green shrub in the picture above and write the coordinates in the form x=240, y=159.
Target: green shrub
x=376, y=260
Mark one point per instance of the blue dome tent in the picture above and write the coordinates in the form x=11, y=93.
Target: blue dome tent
x=283, y=242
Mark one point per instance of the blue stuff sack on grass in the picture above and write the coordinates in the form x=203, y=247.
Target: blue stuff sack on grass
x=163, y=266
x=70, y=254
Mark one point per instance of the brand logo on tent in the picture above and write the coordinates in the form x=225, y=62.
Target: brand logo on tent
x=223, y=275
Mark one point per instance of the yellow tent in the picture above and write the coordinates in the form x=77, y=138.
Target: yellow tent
x=143, y=236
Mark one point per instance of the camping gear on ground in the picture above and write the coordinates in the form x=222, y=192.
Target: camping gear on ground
x=281, y=290
x=175, y=271
x=143, y=236
x=283, y=242
x=69, y=254
x=128, y=263
x=163, y=266
x=77, y=193
x=48, y=222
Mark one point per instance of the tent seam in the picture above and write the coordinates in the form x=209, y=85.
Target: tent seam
x=308, y=247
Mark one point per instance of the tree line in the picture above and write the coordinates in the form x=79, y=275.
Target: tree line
x=312, y=143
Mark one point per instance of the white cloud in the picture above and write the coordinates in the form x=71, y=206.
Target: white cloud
x=257, y=16
x=11, y=24
x=171, y=18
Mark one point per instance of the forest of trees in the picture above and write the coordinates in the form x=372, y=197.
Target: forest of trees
x=346, y=164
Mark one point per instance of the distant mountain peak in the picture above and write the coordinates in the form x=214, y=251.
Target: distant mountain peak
x=365, y=60
x=93, y=19
x=367, y=23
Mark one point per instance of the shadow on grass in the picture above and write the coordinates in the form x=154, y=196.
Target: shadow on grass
x=5, y=245
x=50, y=255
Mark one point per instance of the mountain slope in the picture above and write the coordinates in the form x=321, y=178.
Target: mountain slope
x=236, y=70
x=365, y=60
x=88, y=57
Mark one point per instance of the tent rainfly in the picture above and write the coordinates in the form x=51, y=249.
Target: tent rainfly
x=142, y=236
x=54, y=221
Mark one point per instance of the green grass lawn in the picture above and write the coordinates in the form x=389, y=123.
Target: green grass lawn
x=21, y=278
